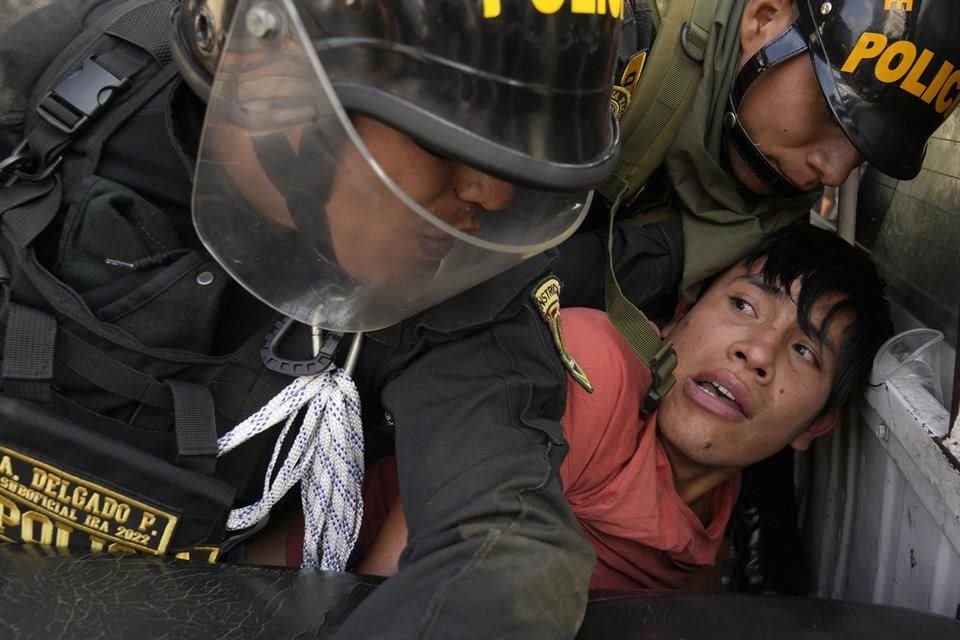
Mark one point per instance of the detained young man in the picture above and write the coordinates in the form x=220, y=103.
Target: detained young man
x=771, y=351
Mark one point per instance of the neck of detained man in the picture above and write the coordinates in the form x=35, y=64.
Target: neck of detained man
x=693, y=482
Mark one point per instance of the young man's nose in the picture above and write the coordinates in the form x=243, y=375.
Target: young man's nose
x=758, y=353
x=833, y=161
x=475, y=186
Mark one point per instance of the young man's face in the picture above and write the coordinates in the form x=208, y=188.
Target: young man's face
x=749, y=381
x=786, y=114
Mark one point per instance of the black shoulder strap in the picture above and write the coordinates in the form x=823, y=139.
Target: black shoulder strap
x=124, y=66
x=30, y=193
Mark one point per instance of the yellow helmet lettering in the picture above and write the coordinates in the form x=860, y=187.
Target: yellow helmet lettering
x=870, y=45
x=900, y=60
x=587, y=6
x=904, y=52
x=912, y=82
x=938, y=81
x=598, y=7
x=493, y=8
x=944, y=104
x=547, y=6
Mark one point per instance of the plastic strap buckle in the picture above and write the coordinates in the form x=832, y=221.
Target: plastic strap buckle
x=661, y=366
x=79, y=96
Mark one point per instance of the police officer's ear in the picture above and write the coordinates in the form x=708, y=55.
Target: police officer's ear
x=762, y=21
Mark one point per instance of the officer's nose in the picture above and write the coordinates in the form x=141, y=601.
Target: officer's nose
x=479, y=188
x=833, y=160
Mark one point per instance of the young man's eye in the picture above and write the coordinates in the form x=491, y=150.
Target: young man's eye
x=742, y=305
x=806, y=353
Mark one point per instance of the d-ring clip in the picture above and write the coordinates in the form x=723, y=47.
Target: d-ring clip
x=685, y=45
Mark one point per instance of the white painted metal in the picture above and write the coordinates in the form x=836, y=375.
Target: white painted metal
x=901, y=546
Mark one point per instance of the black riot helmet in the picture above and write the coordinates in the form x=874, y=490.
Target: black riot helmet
x=502, y=86
x=887, y=68
x=503, y=112
x=890, y=70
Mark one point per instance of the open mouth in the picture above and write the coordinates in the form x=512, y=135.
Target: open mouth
x=721, y=393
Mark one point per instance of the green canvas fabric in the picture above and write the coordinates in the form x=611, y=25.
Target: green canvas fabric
x=721, y=219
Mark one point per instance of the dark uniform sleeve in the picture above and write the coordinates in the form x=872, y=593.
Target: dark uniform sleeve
x=494, y=550
x=648, y=259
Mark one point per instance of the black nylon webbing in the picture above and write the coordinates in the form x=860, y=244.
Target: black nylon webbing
x=109, y=374
x=195, y=426
x=123, y=62
x=35, y=204
x=145, y=27
x=141, y=40
x=28, y=353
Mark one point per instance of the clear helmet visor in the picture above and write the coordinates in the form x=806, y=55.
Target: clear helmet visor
x=339, y=222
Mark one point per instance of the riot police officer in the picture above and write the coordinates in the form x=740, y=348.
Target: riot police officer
x=391, y=168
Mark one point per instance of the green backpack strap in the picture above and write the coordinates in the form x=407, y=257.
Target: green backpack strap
x=640, y=334
x=663, y=95
x=657, y=108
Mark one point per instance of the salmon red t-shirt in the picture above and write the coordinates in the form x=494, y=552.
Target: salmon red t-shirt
x=616, y=475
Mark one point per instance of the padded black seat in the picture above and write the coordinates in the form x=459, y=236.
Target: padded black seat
x=45, y=595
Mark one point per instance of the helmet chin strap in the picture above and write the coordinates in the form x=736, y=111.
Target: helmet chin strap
x=785, y=46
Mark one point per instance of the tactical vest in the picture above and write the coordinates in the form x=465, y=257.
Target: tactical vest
x=111, y=407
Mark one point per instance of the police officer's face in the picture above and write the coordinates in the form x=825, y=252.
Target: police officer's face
x=749, y=380
x=392, y=243
x=785, y=113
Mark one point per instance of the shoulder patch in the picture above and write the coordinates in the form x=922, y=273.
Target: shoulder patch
x=633, y=71
x=546, y=295
x=620, y=97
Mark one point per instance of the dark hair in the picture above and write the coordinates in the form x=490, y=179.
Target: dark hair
x=825, y=264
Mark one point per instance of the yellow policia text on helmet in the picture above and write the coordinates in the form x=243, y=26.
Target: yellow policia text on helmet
x=491, y=8
x=900, y=60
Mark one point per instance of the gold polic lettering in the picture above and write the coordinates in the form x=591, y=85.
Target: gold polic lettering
x=904, y=52
x=493, y=8
x=870, y=45
x=945, y=105
x=30, y=522
x=912, y=82
x=63, y=535
x=890, y=5
x=901, y=60
x=941, y=78
x=9, y=514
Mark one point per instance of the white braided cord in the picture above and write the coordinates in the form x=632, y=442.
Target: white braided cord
x=326, y=457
